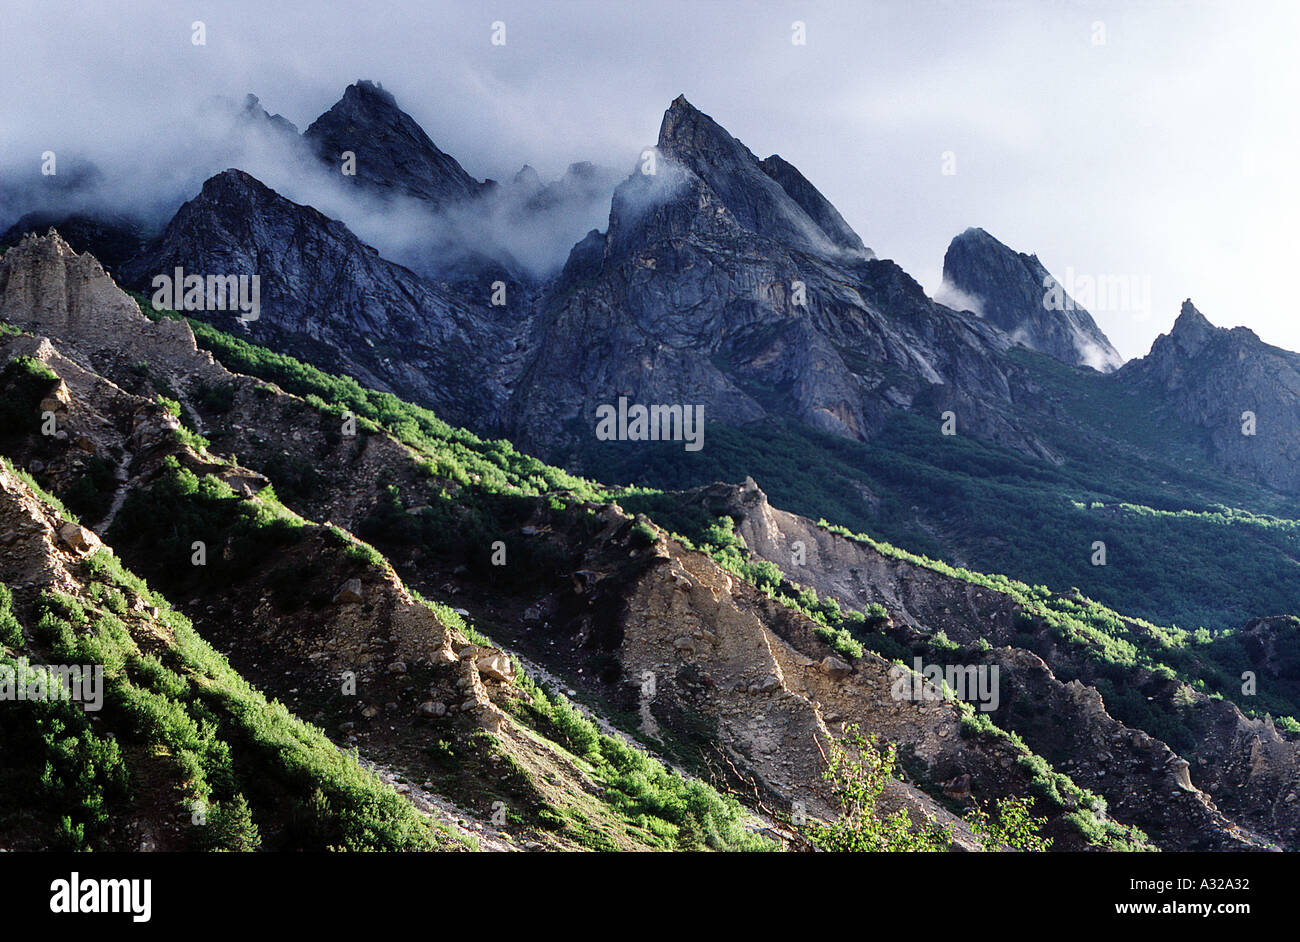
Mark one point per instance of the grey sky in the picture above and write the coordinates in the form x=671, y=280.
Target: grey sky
x=1165, y=153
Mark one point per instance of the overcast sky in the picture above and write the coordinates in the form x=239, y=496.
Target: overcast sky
x=1165, y=153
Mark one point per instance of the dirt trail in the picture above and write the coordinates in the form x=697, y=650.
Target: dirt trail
x=119, y=496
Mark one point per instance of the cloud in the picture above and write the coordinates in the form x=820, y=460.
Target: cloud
x=528, y=227
x=952, y=296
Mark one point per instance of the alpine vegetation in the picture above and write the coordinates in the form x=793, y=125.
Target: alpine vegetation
x=79, y=683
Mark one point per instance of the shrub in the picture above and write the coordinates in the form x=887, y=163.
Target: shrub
x=858, y=768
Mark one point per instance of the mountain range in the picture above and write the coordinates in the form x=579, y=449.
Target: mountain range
x=393, y=470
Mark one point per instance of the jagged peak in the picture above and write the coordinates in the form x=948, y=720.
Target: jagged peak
x=1189, y=318
x=975, y=235
x=756, y=198
x=368, y=101
x=680, y=104
x=394, y=151
x=234, y=174
x=1191, y=329
x=232, y=194
x=251, y=109
x=52, y=243
x=814, y=203
x=1017, y=293
x=687, y=129
x=527, y=176
x=368, y=91
x=232, y=179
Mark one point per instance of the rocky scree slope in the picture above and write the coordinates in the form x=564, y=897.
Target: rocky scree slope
x=180, y=753
x=1243, y=777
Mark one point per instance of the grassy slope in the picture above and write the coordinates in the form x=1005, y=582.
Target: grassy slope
x=656, y=807
x=179, y=726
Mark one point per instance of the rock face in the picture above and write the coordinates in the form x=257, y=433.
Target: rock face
x=393, y=154
x=715, y=285
x=755, y=198
x=45, y=284
x=1010, y=289
x=720, y=280
x=251, y=110
x=329, y=298
x=811, y=201
x=1242, y=392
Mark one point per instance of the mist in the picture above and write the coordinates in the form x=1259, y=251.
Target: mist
x=525, y=225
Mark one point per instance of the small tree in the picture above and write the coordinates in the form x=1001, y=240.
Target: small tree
x=858, y=770
x=230, y=827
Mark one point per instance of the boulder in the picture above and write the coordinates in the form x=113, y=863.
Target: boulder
x=834, y=668
x=349, y=593
x=78, y=539
x=958, y=788
x=496, y=666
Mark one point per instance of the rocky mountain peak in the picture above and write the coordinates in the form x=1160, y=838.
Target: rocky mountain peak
x=1214, y=379
x=393, y=154
x=1016, y=293
x=370, y=94
x=322, y=288
x=754, y=197
x=235, y=182
x=582, y=170
x=527, y=177
x=686, y=130
x=1191, y=329
x=252, y=110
